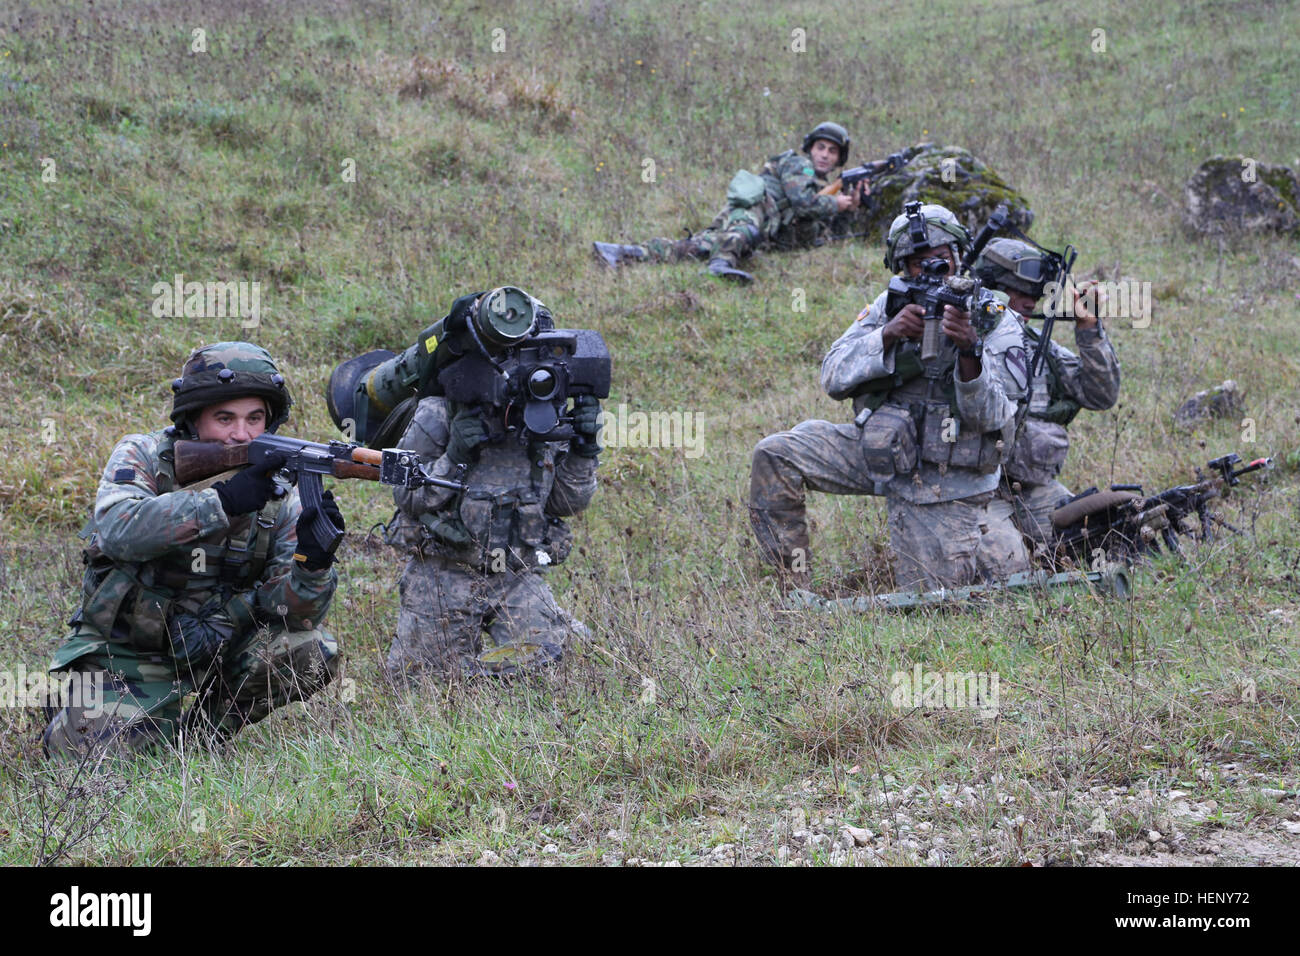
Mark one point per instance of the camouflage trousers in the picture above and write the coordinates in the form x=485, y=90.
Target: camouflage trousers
x=446, y=608
x=732, y=236
x=143, y=692
x=1032, y=507
x=948, y=544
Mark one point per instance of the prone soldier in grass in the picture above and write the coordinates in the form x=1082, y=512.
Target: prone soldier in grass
x=219, y=587
x=780, y=206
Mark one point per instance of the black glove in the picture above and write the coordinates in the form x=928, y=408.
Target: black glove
x=251, y=489
x=586, y=412
x=467, y=433
x=316, y=558
x=196, y=638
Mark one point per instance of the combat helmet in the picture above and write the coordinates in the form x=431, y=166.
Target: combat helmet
x=1015, y=265
x=940, y=226
x=833, y=132
x=215, y=373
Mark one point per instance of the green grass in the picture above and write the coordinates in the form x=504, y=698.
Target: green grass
x=476, y=169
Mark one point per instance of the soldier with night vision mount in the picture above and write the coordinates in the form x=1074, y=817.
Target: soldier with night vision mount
x=781, y=205
x=929, y=433
x=1062, y=382
x=218, y=587
x=484, y=395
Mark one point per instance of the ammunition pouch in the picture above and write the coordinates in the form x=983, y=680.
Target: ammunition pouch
x=889, y=443
x=1039, y=452
x=135, y=603
x=907, y=366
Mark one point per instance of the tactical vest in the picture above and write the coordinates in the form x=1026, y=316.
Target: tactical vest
x=913, y=416
x=135, y=601
x=500, y=523
x=1047, y=398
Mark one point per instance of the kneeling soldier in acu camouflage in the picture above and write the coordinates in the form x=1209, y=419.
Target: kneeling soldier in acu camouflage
x=1065, y=383
x=217, y=588
x=477, y=556
x=929, y=434
x=780, y=206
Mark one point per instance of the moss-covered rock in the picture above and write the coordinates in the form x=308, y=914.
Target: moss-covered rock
x=1237, y=194
x=948, y=175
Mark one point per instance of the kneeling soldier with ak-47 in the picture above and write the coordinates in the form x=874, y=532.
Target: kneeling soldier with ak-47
x=218, y=587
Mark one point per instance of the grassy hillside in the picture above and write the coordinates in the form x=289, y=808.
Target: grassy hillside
x=367, y=163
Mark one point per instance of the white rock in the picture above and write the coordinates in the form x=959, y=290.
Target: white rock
x=550, y=848
x=1177, y=794
x=924, y=827
x=860, y=836
x=782, y=854
x=488, y=858
x=1153, y=836
x=1271, y=792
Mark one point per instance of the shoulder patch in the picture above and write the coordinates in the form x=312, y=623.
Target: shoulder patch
x=124, y=475
x=1017, y=366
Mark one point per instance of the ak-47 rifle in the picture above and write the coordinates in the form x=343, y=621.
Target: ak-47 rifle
x=305, y=463
x=1124, y=522
x=867, y=172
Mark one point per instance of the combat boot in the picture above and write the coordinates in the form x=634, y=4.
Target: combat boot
x=614, y=255
x=725, y=270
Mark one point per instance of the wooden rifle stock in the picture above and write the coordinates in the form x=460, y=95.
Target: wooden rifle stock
x=197, y=460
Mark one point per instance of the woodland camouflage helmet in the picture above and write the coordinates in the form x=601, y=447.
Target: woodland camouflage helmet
x=215, y=373
x=941, y=229
x=833, y=132
x=1010, y=264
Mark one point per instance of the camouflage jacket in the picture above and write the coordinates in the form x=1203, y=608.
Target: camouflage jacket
x=793, y=184
x=955, y=427
x=155, y=552
x=509, y=518
x=1066, y=383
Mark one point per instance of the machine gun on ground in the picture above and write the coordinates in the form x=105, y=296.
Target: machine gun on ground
x=1125, y=523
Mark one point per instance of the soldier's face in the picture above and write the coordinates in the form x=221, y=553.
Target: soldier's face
x=1019, y=302
x=913, y=262
x=233, y=422
x=825, y=155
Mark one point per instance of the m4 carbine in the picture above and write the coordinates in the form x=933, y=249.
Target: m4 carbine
x=306, y=462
